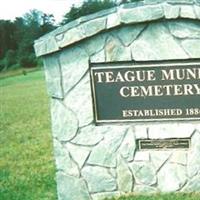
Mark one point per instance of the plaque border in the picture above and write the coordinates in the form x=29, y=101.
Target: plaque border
x=164, y=149
x=136, y=64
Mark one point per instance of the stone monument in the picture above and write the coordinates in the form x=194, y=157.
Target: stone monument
x=125, y=100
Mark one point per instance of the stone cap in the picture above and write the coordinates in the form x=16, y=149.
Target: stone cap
x=132, y=13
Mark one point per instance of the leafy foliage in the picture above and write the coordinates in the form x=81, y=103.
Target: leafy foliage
x=88, y=7
x=17, y=38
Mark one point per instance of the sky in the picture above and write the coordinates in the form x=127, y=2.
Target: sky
x=10, y=9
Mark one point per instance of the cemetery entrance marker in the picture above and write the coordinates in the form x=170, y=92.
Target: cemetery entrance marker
x=142, y=61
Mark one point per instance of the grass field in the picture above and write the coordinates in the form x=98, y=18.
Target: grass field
x=26, y=160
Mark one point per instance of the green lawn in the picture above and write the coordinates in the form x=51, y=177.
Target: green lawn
x=26, y=160
x=161, y=197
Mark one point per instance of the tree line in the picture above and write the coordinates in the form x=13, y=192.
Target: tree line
x=17, y=37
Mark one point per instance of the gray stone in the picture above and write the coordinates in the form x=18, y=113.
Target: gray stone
x=51, y=45
x=71, y=36
x=63, y=160
x=65, y=164
x=64, y=122
x=71, y=188
x=193, y=185
x=113, y=20
x=193, y=166
x=98, y=57
x=162, y=131
x=179, y=157
x=104, y=154
x=171, y=12
x=142, y=156
x=58, y=148
x=171, y=177
x=146, y=175
x=128, y=34
x=187, y=12
x=154, y=44
x=88, y=136
x=136, y=166
x=124, y=176
x=79, y=99
x=78, y=153
x=70, y=59
x=113, y=172
x=141, y=14
x=115, y=51
x=40, y=47
x=103, y=195
x=140, y=131
x=60, y=31
x=53, y=76
x=145, y=189
x=197, y=11
x=192, y=47
x=95, y=44
x=158, y=158
x=185, y=30
x=98, y=179
x=93, y=27
x=127, y=148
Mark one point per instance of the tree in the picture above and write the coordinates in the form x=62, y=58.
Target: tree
x=88, y=7
x=7, y=30
x=17, y=38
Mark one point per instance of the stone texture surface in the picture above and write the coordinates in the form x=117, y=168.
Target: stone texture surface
x=71, y=188
x=159, y=158
x=154, y=44
x=124, y=176
x=53, y=76
x=191, y=46
x=128, y=147
x=170, y=131
x=146, y=175
x=145, y=189
x=140, y=14
x=185, y=30
x=68, y=60
x=88, y=136
x=62, y=120
x=115, y=51
x=94, y=162
x=193, y=166
x=193, y=184
x=171, y=12
x=187, y=12
x=98, y=179
x=128, y=34
x=172, y=177
x=80, y=101
x=104, y=154
x=78, y=154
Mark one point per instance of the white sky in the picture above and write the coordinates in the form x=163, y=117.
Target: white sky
x=10, y=9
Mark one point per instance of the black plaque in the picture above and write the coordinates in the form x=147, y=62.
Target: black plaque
x=164, y=144
x=128, y=91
